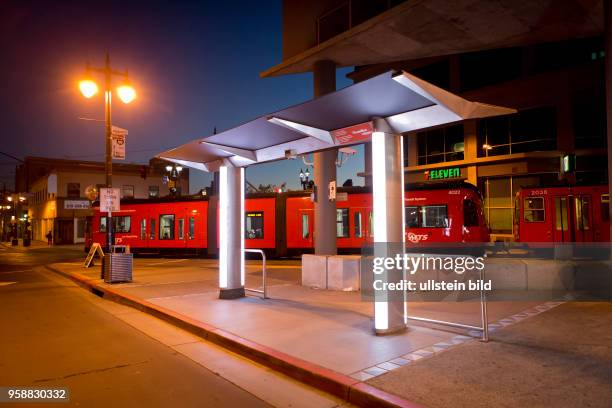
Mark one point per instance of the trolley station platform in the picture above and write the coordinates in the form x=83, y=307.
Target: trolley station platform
x=332, y=329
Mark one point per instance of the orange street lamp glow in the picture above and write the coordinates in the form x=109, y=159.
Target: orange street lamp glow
x=126, y=93
x=88, y=88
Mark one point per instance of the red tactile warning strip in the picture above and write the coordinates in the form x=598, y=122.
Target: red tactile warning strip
x=339, y=385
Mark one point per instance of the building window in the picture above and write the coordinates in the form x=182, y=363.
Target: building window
x=589, y=119
x=427, y=216
x=153, y=191
x=342, y=222
x=500, y=208
x=527, y=131
x=254, y=225
x=120, y=224
x=534, y=209
x=440, y=145
x=127, y=192
x=482, y=68
x=73, y=190
x=166, y=226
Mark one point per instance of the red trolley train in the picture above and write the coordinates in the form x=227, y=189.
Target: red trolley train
x=282, y=223
x=562, y=214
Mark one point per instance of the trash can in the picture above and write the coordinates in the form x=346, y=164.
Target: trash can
x=117, y=265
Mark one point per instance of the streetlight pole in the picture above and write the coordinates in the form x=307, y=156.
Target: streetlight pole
x=108, y=127
x=127, y=94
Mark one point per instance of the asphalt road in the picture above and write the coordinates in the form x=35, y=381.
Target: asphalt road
x=52, y=336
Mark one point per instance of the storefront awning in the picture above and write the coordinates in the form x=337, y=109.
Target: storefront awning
x=338, y=119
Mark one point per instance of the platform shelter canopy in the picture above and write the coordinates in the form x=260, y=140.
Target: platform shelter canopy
x=339, y=119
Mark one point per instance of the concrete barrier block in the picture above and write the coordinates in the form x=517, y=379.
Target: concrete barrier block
x=549, y=274
x=314, y=271
x=343, y=272
x=506, y=274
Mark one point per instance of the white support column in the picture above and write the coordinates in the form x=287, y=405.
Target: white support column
x=388, y=208
x=231, y=232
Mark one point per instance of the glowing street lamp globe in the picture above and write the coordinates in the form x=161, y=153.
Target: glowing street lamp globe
x=126, y=93
x=88, y=88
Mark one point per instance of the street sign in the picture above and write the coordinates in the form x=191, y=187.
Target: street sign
x=353, y=134
x=76, y=205
x=109, y=200
x=118, y=137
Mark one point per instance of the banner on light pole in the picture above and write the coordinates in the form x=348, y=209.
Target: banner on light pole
x=118, y=136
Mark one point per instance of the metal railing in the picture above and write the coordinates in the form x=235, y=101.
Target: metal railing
x=484, y=319
x=264, y=292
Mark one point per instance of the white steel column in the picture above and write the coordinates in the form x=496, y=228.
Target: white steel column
x=388, y=208
x=231, y=232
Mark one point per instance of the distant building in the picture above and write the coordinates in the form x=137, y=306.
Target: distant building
x=55, y=191
x=544, y=58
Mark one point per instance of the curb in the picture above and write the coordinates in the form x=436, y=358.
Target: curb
x=332, y=382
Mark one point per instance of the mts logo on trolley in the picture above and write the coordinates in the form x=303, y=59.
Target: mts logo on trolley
x=442, y=174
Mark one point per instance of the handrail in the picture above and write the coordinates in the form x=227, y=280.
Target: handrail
x=263, y=267
x=484, y=319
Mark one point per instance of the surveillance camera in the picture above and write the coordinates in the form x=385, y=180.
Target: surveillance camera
x=290, y=154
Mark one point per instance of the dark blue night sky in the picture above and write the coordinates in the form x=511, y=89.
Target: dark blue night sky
x=195, y=66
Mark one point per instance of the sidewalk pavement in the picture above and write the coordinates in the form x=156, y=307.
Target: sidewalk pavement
x=322, y=337
x=35, y=244
x=562, y=358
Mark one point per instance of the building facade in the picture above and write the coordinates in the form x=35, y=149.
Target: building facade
x=553, y=75
x=56, y=191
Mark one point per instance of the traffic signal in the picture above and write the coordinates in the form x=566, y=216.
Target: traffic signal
x=568, y=163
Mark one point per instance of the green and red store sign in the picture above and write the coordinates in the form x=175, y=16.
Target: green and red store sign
x=443, y=174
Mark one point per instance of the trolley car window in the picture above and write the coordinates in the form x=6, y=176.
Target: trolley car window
x=191, y=228
x=534, y=209
x=434, y=216
x=342, y=223
x=427, y=216
x=166, y=226
x=254, y=225
x=561, y=222
x=143, y=229
x=371, y=224
x=181, y=228
x=120, y=224
x=470, y=214
x=357, y=220
x=305, y=227
x=605, y=207
x=412, y=217
x=152, y=228
x=583, y=213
